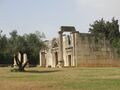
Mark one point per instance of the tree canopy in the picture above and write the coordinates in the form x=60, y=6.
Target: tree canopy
x=30, y=44
x=108, y=30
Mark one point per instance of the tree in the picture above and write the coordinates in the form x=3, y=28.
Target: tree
x=3, y=42
x=3, y=49
x=17, y=45
x=28, y=43
x=108, y=30
x=35, y=44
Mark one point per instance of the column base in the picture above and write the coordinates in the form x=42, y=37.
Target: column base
x=60, y=64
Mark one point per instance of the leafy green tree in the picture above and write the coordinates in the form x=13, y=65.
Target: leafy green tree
x=17, y=45
x=28, y=43
x=35, y=44
x=4, y=55
x=108, y=30
x=3, y=42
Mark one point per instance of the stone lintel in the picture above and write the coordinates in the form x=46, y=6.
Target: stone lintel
x=67, y=29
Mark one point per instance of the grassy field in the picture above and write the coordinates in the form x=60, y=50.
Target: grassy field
x=61, y=79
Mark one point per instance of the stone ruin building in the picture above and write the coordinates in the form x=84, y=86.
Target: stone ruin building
x=77, y=49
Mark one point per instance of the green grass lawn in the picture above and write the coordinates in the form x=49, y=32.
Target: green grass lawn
x=61, y=79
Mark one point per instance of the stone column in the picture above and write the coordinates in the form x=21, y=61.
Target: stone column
x=42, y=59
x=76, y=47
x=60, y=62
x=74, y=59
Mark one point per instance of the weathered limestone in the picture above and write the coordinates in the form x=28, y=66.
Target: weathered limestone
x=60, y=62
x=42, y=59
x=78, y=49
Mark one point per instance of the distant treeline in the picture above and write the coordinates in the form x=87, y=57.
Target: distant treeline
x=30, y=44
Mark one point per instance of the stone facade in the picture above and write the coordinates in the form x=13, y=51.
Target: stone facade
x=77, y=49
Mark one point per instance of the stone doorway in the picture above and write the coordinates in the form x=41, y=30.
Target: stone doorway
x=56, y=58
x=72, y=30
x=69, y=60
x=42, y=59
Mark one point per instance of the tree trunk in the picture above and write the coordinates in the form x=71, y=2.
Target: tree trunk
x=21, y=69
x=20, y=64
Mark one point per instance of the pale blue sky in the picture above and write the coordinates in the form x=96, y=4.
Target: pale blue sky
x=47, y=16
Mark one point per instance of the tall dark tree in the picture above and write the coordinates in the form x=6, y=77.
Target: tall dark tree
x=3, y=49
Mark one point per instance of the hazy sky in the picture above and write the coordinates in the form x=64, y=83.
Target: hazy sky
x=48, y=15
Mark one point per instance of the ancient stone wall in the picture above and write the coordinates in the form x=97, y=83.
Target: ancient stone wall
x=78, y=49
x=92, y=52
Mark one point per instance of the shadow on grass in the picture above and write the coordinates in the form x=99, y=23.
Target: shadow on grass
x=47, y=71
